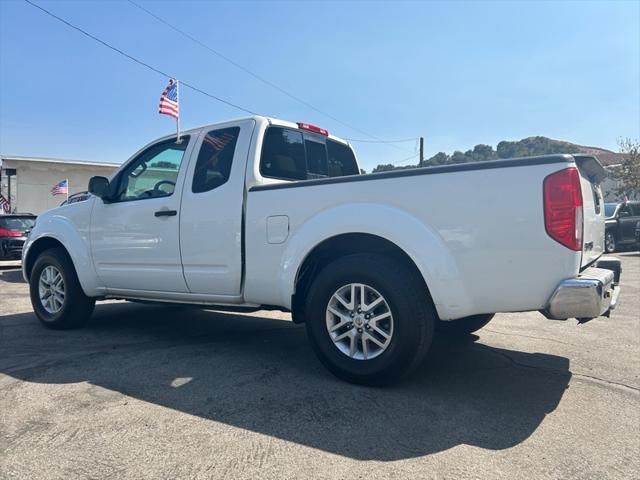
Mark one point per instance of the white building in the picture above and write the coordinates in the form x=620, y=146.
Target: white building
x=29, y=180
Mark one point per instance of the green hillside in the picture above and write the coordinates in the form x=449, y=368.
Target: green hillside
x=526, y=147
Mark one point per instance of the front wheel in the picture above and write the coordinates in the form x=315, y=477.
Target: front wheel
x=609, y=242
x=56, y=295
x=463, y=326
x=369, y=319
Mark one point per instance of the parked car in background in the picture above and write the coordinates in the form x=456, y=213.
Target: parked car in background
x=76, y=197
x=638, y=235
x=620, y=224
x=14, y=229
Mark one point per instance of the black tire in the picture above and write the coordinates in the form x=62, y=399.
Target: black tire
x=609, y=242
x=76, y=307
x=410, y=305
x=463, y=326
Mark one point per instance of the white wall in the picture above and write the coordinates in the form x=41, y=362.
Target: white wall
x=31, y=187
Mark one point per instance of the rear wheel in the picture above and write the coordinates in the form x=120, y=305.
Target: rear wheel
x=57, y=298
x=609, y=242
x=369, y=319
x=463, y=326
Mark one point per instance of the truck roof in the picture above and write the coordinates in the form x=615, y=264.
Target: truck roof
x=262, y=118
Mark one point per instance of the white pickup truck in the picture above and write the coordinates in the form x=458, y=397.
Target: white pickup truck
x=261, y=213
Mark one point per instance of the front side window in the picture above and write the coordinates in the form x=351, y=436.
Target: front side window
x=625, y=211
x=153, y=173
x=610, y=209
x=213, y=166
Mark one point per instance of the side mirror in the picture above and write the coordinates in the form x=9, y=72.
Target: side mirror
x=623, y=213
x=99, y=186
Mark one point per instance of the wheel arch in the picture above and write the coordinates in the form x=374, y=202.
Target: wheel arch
x=36, y=248
x=379, y=228
x=58, y=231
x=339, y=246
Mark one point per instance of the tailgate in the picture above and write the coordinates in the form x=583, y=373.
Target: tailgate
x=591, y=175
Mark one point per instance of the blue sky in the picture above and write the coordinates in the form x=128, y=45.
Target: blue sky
x=458, y=73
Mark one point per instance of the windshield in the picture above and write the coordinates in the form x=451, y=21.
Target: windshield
x=17, y=223
x=609, y=209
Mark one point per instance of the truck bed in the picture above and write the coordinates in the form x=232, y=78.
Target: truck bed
x=476, y=231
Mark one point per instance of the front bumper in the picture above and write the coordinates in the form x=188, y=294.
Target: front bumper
x=591, y=294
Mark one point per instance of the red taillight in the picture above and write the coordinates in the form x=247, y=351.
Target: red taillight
x=313, y=128
x=10, y=233
x=563, y=208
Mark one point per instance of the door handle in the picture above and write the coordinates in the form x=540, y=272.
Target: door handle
x=166, y=213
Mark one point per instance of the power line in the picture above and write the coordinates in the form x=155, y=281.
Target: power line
x=259, y=77
x=183, y=83
x=138, y=61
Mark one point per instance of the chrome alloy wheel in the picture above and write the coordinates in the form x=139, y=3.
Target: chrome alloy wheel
x=359, y=321
x=51, y=289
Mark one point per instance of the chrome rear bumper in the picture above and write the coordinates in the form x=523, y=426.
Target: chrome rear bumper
x=591, y=294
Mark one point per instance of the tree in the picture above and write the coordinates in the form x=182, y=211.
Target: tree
x=439, y=158
x=627, y=174
x=164, y=164
x=482, y=153
x=458, y=157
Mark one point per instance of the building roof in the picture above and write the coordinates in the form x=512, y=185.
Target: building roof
x=57, y=160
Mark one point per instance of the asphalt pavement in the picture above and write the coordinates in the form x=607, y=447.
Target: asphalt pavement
x=171, y=393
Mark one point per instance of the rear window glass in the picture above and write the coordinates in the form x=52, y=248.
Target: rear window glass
x=17, y=223
x=213, y=166
x=341, y=160
x=283, y=155
x=316, y=159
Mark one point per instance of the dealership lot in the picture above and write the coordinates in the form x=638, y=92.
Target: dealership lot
x=167, y=392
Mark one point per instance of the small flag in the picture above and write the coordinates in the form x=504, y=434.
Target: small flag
x=61, y=188
x=4, y=204
x=169, y=101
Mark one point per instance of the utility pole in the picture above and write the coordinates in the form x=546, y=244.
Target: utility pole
x=421, y=151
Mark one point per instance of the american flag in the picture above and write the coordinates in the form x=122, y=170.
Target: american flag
x=61, y=188
x=169, y=101
x=4, y=204
x=218, y=141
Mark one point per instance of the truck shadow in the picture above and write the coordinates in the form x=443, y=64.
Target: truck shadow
x=260, y=374
x=11, y=275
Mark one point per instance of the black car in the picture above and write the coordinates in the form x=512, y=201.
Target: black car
x=14, y=229
x=620, y=224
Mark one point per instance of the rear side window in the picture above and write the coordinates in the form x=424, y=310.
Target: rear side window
x=283, y=155
x=341, y=160
x=291, y=155
x=213, y=166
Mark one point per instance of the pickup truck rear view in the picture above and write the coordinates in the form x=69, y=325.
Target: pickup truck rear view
x=261, y=213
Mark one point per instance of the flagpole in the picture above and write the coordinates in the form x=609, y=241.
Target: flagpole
x=178, y=117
